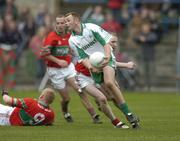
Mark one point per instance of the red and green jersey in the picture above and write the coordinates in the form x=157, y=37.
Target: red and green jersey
x=29, y=112
x=82, y=69
x=59, y=48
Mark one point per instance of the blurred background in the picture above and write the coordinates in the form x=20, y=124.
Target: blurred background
x=148, y=32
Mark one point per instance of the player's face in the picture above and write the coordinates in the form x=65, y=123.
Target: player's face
x=70, y=22
x=60, y=24
x=114, y=42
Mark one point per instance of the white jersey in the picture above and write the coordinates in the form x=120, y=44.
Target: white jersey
x=92, y=39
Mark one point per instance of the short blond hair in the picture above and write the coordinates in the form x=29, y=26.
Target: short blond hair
x=47, y=95
x=74, y=14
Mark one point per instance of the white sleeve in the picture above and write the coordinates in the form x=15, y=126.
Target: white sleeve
x=99, y=33
x=75, y=54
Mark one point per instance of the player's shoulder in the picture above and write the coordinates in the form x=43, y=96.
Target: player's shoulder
x=51, y=34
x=71, y=38
x=68, y=34
x=27, y=99
x=90, y=25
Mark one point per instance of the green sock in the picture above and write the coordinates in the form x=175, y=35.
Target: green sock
x=124, y=108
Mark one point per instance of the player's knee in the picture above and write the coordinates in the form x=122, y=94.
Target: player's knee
x=102, y=99
x=78, y=90
x=109, y=83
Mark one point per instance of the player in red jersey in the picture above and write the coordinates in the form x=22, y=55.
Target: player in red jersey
x=27, y=111
x=61, y=69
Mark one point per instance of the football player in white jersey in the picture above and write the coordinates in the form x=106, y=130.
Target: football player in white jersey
x=89, y=38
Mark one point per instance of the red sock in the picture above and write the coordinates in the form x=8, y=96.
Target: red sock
x=115, y=121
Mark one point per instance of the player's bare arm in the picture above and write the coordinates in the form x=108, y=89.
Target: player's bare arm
x=128, y=65
x=10, y=100
x=88, y=65
x=45, y=51
x=107, y=49
x=61, y=63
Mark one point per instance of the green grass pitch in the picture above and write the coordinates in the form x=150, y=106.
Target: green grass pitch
x=159, y=114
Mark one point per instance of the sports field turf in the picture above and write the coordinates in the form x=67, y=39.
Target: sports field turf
x=159, y=114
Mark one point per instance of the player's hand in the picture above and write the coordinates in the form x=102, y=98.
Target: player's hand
x=105, y=62
x=45, y=51
x=96, y=70
x=62, y=63
x=131, y=65
x=4, y=92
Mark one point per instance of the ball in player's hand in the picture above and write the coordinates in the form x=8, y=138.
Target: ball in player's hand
x=96, y=59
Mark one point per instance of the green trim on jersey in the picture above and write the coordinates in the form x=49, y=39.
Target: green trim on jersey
x=24, y=106
x=25, y=117
x=98, y=77
x=59, y=33
x=74, y=33
x=99, y=38
x=81, y=53
x=59, y=51
x=112, y=62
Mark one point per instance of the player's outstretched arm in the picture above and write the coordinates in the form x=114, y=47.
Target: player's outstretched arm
x=6, y=98
x=107, y=49
x=9, y=100
x=128, y=65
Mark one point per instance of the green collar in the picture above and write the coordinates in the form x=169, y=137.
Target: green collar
x=42, y=103
x=74, y=33
x=59, y=33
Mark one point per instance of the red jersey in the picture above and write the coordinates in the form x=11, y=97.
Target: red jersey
x=82, y=69
x=30, y=112
x=59, y=47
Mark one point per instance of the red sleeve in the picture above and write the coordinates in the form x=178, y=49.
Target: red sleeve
x=50, y=40
x=23, y=103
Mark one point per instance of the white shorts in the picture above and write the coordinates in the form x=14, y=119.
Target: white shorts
x=5, y=112
x=84, y=80
x=59, y=76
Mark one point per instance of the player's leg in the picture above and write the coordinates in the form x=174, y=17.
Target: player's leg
x=131, y=118
x=105, y=108
x=56, y=76
x=84, y=99
x=64, y=104
x=105, y=91
x=89, y=107
x=5, y=112
x=74, y=84
x=110, y=83
x=87, y=85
